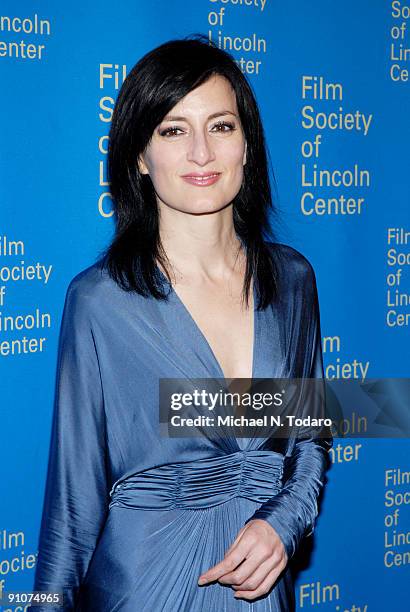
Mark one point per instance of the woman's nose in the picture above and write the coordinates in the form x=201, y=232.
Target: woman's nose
x=200, y=149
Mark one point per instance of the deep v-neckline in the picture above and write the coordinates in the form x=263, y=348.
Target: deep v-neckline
x=203, y=337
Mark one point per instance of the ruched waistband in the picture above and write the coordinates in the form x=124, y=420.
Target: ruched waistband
x=254, y=474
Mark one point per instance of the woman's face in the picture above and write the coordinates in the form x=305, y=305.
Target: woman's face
x=201, y=136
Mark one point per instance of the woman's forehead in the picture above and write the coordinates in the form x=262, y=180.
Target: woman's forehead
x=213, y=96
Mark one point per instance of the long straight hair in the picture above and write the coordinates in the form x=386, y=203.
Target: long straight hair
x=153, y=87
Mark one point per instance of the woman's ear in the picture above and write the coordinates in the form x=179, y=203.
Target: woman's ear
x=141, y=165
x=244, y=153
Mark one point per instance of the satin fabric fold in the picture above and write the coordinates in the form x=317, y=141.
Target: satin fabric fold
x=203, y=483
x=131, y=519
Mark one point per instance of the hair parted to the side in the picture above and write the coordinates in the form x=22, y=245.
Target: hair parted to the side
x=153, y=87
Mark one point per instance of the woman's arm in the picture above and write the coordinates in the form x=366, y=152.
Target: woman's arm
x=293, y=511
x=76, y=497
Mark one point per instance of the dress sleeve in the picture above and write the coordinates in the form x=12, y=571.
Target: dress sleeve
x=76, y=495
x=293, y=511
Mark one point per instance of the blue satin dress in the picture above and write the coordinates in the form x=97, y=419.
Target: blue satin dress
x=132, y=519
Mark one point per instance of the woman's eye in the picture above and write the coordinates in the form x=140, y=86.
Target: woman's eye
x=170, y=131
x=223, y=125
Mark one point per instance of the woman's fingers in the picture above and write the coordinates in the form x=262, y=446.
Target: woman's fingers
x=232, y=561
x=264, y=587
x=227, y=565
x=256, y=543
x=253, y=571
x=235, y=542
x=262, y=550
x=241, y=574
x=249, y=574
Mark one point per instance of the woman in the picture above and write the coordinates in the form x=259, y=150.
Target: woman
x=187, y=289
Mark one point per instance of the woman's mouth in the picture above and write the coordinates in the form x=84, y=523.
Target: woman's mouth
x=201, y=180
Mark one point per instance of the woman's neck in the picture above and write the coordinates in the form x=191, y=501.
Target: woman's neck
x=201, y=245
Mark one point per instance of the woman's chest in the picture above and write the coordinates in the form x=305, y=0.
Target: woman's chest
x=226, y=324
x=149, y=339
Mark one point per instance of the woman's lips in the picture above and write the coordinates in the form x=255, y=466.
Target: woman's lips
x=202, y=180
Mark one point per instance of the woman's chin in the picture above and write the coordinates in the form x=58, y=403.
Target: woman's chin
x=206, y=207
x=206, y=210
x=199, y=207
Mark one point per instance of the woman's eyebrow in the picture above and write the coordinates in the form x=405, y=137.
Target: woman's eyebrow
x=218, y=114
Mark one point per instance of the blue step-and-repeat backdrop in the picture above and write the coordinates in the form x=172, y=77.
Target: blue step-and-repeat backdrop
x=332, y=80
